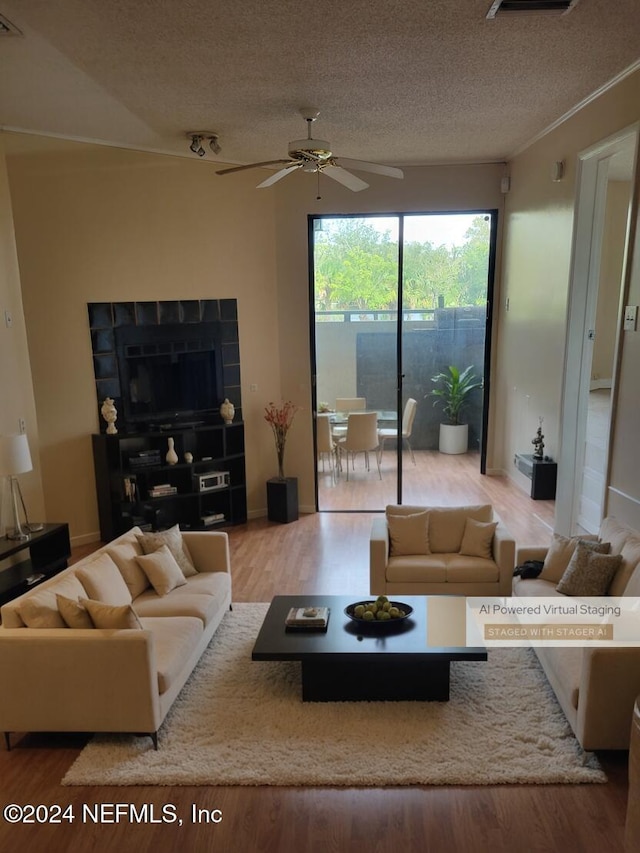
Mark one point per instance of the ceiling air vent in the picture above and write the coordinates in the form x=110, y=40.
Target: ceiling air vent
x=502, y=8
x=7, y=28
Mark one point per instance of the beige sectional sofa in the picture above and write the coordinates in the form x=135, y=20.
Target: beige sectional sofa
x=418, y=550
x=113, y=679
x=596, y=687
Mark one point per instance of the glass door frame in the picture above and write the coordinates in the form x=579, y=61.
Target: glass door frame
x=493, y=213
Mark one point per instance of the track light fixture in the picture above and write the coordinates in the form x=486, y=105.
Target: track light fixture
x=198, y=137
x=196, y=144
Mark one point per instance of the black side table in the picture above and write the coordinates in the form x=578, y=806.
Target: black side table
x=282, y=499
x=543, y=474
x=25, y=563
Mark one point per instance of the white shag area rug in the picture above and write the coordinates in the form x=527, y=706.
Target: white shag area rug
x=240, y=722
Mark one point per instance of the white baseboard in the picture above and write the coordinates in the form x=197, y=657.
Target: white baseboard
x=253, y=514
x=85, y=539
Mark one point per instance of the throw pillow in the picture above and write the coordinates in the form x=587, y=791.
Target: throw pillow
x=40, y=608
x=162, y=570
x=73, y=613
x=124, y=556
x=103, y=582
x=408, y=534
x=559, y=556
x=477, y=539
x=172, y=538
x=111, y=616
x=589, y=573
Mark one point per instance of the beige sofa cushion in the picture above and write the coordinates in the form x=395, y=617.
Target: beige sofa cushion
x=633, y=585
x=109, y=616
x=183, y=602
x=40, y=608
x=162, y=570
x=589, y=573
x=124, y=556
x=73, y=613
x=615, y=532
x=172, y=538
x=630, y=561
x=447, y=524
x=103, y=582
x=175, y=640
x=416, y=569
x=559, y=555
x=478, y=538
x=408, y=534
x=464, y=569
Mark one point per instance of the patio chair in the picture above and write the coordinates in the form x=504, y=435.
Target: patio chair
x=344, y=405
x=361, y=437
x=408, y=417
x=325, y=441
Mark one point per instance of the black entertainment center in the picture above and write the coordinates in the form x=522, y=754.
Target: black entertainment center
x=168, y=366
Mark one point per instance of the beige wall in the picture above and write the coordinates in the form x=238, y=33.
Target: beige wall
x=16, y=391
x=102, y=224
x=536, y=266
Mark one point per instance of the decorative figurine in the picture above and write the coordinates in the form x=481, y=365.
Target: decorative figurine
x=172, y=456
x=538, y=443
x=109, y=413
x=188, y=457
x=227, y=411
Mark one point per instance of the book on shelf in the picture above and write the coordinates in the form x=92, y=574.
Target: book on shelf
x=161, y=491
x=212, y=518
x=308, y=617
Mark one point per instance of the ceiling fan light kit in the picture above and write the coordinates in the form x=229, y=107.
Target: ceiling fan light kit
x=315, y=155
x=198, y=137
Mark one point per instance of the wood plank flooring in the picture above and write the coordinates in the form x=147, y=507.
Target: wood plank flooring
x=327, y=552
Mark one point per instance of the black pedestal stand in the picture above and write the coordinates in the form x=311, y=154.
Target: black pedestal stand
x=282, y=499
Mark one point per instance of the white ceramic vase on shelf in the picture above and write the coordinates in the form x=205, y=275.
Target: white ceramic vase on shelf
x=172, y=456
x=227, y=411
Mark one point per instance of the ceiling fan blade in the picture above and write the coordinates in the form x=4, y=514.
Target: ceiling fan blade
x=272, y=179
x=251, y=166
x=364, y=166
x=343, y=177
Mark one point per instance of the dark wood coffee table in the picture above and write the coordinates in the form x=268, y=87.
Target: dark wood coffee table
x=352, y=663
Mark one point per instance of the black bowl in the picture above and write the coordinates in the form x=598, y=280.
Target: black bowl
x=377, y=623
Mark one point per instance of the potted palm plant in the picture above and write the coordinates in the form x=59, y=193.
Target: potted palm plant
x=453, y=394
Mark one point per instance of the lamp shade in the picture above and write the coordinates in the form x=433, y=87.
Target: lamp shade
x=14, y=454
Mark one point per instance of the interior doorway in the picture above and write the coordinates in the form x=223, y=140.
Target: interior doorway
x=605, y=181
x=395, y=300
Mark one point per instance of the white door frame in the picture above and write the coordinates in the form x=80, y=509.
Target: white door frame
x=592, y=177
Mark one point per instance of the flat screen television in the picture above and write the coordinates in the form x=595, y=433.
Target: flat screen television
x=169, y=374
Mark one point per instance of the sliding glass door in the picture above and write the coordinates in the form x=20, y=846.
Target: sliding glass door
x=369, y=356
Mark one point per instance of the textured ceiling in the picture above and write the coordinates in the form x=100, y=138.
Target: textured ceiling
x=396, y=81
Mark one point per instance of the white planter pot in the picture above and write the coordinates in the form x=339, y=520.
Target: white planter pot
x=454, y=439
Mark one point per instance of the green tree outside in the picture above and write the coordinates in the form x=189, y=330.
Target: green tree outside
x=356, y=268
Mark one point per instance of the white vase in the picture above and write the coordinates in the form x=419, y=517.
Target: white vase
x=227, y=411
x=454, y=439
x=172, y=456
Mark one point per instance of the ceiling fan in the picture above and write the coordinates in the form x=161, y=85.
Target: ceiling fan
x=315, y=155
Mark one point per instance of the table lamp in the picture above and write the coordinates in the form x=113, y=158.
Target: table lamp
x=16, y=459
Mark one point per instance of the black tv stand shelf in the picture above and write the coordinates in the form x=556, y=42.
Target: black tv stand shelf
x=137, y=487
x=25, y=563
